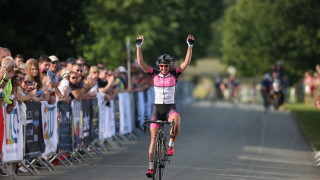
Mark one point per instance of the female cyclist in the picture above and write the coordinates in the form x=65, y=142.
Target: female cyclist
x=165, y=86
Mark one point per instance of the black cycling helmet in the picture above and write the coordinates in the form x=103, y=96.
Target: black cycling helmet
x=165, y=59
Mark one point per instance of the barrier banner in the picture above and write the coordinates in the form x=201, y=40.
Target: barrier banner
x=77, y=123
x=94, y=119
x=103, y=117
x=34, y=135
x=149, y=102
x=86, y=115
x=49, y=127
x=111, y=120
x=125, y=113
x=65, y=133
x=12, y=147
x=140, y=104
x=116, y=113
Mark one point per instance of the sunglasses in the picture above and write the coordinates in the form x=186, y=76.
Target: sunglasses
x=74, y=77
x=27, y=82
x=79, y=70
x=164, y=65
x=20, y=79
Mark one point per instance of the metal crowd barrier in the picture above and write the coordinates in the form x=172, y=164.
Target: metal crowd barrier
x=80, y=128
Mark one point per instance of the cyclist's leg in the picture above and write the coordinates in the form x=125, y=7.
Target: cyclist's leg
x=153, y=131
x=176, y=117
x=173, y=136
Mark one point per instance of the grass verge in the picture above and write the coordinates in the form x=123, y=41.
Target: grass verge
x=308, y=117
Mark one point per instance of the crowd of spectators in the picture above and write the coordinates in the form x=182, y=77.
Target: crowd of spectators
x=311, y=84
x=51, y=79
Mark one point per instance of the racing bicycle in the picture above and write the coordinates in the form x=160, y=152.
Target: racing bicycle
x=159, y=153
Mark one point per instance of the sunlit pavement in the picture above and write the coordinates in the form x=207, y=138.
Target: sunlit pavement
x=217, y=141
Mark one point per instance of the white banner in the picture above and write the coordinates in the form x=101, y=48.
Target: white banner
x=141, y=107
x=149, y=102
x=125, y=113
x=111, y=120
x=12, y=148
x=103, y=116
x=77, y=123
x=49, y=127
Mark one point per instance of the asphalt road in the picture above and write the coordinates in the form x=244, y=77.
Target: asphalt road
x=220, y=141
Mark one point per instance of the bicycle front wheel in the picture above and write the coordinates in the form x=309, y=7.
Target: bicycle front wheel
x=162, y=158
x=156, y=158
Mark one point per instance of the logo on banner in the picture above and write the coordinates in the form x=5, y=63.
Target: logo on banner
x=12, y=127
x=49, y=122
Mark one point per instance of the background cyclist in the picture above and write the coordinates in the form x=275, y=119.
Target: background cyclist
x=266, y=85
x=165, y=86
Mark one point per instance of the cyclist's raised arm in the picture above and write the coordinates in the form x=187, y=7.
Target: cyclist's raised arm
x=187, y=60
x=142, y=64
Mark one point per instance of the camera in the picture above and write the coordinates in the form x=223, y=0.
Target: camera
x=108, y=104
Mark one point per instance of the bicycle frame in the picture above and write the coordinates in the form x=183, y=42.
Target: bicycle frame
x=160, y=156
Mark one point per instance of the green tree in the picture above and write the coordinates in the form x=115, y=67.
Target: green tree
x=256, y=33
x=36, y=27
x=165, y=25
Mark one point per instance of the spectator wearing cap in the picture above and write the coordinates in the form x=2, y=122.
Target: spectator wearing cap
x=122, y=78
x=54, y=78
x=52, y=72
x=18, y=59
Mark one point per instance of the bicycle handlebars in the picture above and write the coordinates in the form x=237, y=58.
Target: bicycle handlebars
x=158, y=122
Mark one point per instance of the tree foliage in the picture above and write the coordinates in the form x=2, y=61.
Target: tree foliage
x=36, y=27
x=256, y=33
x=98, y=29
x=165, y=25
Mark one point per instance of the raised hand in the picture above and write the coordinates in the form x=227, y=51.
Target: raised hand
x=190, y=40
x=139, y=41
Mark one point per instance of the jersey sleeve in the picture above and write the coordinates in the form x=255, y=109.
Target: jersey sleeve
x=152, y=72
x=176, y=72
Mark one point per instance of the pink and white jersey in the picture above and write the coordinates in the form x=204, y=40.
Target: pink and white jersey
x=165, y=86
